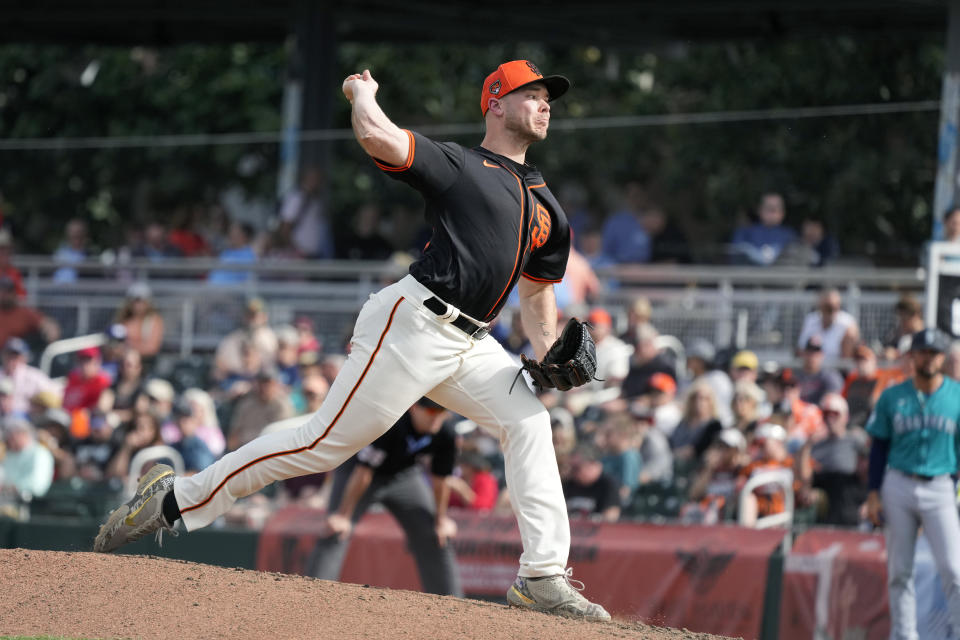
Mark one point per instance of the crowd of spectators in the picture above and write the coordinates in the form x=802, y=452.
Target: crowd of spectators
x=676, y=432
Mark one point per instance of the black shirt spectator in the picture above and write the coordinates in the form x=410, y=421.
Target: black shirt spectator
x=589, y=490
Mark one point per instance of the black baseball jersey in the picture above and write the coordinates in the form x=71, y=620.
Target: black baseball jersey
x=399, y=448
x=493, y=220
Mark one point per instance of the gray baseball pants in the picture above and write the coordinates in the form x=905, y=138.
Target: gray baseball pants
x=408, y=498
x=908, y=504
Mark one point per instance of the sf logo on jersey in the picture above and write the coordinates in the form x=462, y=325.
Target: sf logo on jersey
x=539, y=228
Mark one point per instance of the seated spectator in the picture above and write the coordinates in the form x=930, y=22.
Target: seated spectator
x=330, y=366
x=821, y=248
x=72, y=251
x=837, y=329
x=813, y=378
x=266, y=403
x=698, y=425
x=315, y=389
x=647, y=360
x=713, y=492
x=747, y=401
x=195, y=452
x=156, y=244
x=161, y=397
x=305, y=223
x=591, y=247
x=862, y=386
x=113, y=349
x=27, y=381
x=475, y=488
x=6, y=399
x=909, y=320
x=744, y=366
x=590, y=492
x=613, y=355
x=364, y=240
x=42, y=402
x=240, y=381
x=655, y=455
x=53, y=432
x=580, y=284
x=119, y=399
x=621, y=454
x=668, y=242
x=228, y=358
x=288, y=359
x=20, y=321
x=701, y=358
x=143, y=432
x=7, y=270
x=830, y=468
x=763, y=242
x=86, y=383
x=308, y=340
x=239, y=251
x=638, y=315
x=27, y=467
x=625, y=240
x=208, y=424
x=661, y=395
x=771, y=442
x=143, y=322
x=184, y=236
x=92, y=454
x=803, y=420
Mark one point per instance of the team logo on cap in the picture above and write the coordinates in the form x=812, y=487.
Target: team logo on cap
x=533, y=68
x=495, y=87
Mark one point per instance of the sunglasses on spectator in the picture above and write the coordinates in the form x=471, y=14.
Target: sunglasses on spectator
x=831, y=412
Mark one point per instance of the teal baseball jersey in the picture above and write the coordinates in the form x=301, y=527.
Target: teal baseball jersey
x=922, y=428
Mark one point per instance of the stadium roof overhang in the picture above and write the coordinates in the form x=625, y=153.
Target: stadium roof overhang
x=617, y=22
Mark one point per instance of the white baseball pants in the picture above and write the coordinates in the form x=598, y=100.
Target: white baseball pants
x=400, y=352
x=909, y=503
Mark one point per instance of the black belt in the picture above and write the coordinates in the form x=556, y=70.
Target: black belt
x=917, y=476
x=463, y=323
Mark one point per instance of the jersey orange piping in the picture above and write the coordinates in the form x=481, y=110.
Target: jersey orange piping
x=410, y=153
x=318, y=440
x=540, y=279
x=516, y=260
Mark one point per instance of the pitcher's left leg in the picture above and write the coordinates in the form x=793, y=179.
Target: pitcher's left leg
x=480, y=390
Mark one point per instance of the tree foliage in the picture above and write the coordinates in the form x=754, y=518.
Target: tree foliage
x=870, y=178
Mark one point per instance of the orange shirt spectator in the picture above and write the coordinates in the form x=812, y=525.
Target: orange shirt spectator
x=17, y=321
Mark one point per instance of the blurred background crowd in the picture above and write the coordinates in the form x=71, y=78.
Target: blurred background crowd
x=667, y=431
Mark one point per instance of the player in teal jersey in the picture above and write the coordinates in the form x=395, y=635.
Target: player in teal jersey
x=913, y=461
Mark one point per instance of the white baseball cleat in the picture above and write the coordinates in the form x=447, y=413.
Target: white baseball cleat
x=556, y=595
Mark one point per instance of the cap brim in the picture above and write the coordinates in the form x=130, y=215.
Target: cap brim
x=556, y=86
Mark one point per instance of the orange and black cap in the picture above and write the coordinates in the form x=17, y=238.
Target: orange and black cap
x=512, y=75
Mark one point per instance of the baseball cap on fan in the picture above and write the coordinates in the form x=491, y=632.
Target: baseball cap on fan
x=512, y=75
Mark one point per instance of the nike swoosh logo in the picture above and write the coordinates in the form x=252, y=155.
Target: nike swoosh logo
x=492, y=166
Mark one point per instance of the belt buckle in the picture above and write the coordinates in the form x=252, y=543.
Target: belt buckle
x=480, y=333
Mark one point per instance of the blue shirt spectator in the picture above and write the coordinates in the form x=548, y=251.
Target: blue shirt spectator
x=763, y=243
x=72, y=251
x=239, y=252
x=625, y=239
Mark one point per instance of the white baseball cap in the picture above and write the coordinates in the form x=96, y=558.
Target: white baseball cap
x=770, y=431
x=733, y=438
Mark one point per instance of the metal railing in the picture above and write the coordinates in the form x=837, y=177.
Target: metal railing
x=746, y=307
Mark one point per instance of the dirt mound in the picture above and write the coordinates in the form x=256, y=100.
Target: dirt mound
x=87, y=595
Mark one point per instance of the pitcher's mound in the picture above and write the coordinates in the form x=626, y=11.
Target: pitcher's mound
x=88, y=595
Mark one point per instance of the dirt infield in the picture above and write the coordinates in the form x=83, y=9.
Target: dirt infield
x=87, y=595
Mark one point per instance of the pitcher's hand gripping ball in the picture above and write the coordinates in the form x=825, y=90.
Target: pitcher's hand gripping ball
x=570, y=362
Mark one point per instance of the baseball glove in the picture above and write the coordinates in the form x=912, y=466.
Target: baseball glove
x=570, y=362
